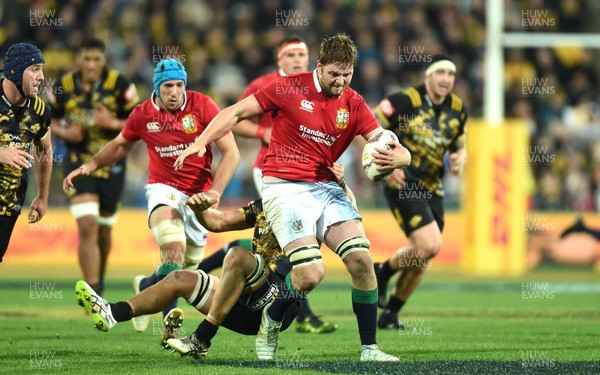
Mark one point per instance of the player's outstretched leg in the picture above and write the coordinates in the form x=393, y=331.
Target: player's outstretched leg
x=171, y=325
x=98, y=307
x=189, y=346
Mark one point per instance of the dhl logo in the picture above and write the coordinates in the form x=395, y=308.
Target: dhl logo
x=502, y=166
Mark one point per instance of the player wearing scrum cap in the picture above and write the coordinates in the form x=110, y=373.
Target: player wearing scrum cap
x=168, y=122
x=24, y=121
x=429, y=121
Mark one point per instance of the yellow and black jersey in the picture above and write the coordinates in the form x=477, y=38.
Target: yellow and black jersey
x=19, y=126
x=264, y=241
x=73, y=103
x=426, y=130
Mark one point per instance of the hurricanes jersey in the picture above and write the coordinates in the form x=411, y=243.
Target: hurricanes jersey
x=264, y=241
x=75, y=104
x=426, y=130
x=19, y=126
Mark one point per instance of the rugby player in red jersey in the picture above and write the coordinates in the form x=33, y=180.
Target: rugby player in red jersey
x=168, y=122
x=315, y=118
x=291, y=55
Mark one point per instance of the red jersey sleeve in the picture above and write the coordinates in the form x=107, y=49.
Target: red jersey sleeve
x=211, y=109
x=130, y=131
x=267, y=97
x=366, y=119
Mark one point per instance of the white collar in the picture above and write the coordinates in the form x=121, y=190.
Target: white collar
x=316, y=81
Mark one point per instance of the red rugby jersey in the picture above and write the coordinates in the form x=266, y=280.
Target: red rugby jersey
x=266, y=119
x=310, y=129
x=167, y=134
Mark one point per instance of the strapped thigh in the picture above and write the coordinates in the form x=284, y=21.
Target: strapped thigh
x=351, y=245
x=202, y=290
x=168, y=231
x=259, y=275
x=306, y=255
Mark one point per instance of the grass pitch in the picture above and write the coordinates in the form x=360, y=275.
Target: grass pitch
x=541, y=324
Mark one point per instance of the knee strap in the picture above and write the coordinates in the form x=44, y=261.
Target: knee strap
x=259, y=275
x=352, y=245
x=85, y=209
x=307, y=255
x=201, y=292
x=168, y=231
x=108, y=221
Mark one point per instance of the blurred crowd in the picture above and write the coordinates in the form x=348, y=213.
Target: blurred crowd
x=225, y=44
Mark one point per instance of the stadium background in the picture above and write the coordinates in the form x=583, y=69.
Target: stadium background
x=540, y=321
x=226, y=44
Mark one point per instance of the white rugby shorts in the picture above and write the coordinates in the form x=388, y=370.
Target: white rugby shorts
x=161, y=194
x=299, y=209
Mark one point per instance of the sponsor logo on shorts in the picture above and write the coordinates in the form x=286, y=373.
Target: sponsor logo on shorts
x=262, y=301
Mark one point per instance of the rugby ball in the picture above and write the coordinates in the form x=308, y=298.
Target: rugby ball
x=380, y=140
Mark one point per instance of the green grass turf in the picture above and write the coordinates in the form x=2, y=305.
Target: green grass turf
x=456, y=326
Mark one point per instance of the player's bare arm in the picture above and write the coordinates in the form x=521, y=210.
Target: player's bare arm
x=42, y=155
x=216, y=220
x=458, y=156
x=104, y=118
x=338, y=171
x=113, y=151
x=73, y=132
x=223, y=122
x=227, y=166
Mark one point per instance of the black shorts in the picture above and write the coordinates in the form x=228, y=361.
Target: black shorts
x=107, y=183
x=7, y=224
x=246, y=314
x=415, y=208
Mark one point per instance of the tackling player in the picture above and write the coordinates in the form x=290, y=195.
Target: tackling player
x=252, y=277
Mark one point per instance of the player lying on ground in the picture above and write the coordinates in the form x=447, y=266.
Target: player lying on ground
x=243, y=273
x=307, y=321
x=247, y=274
